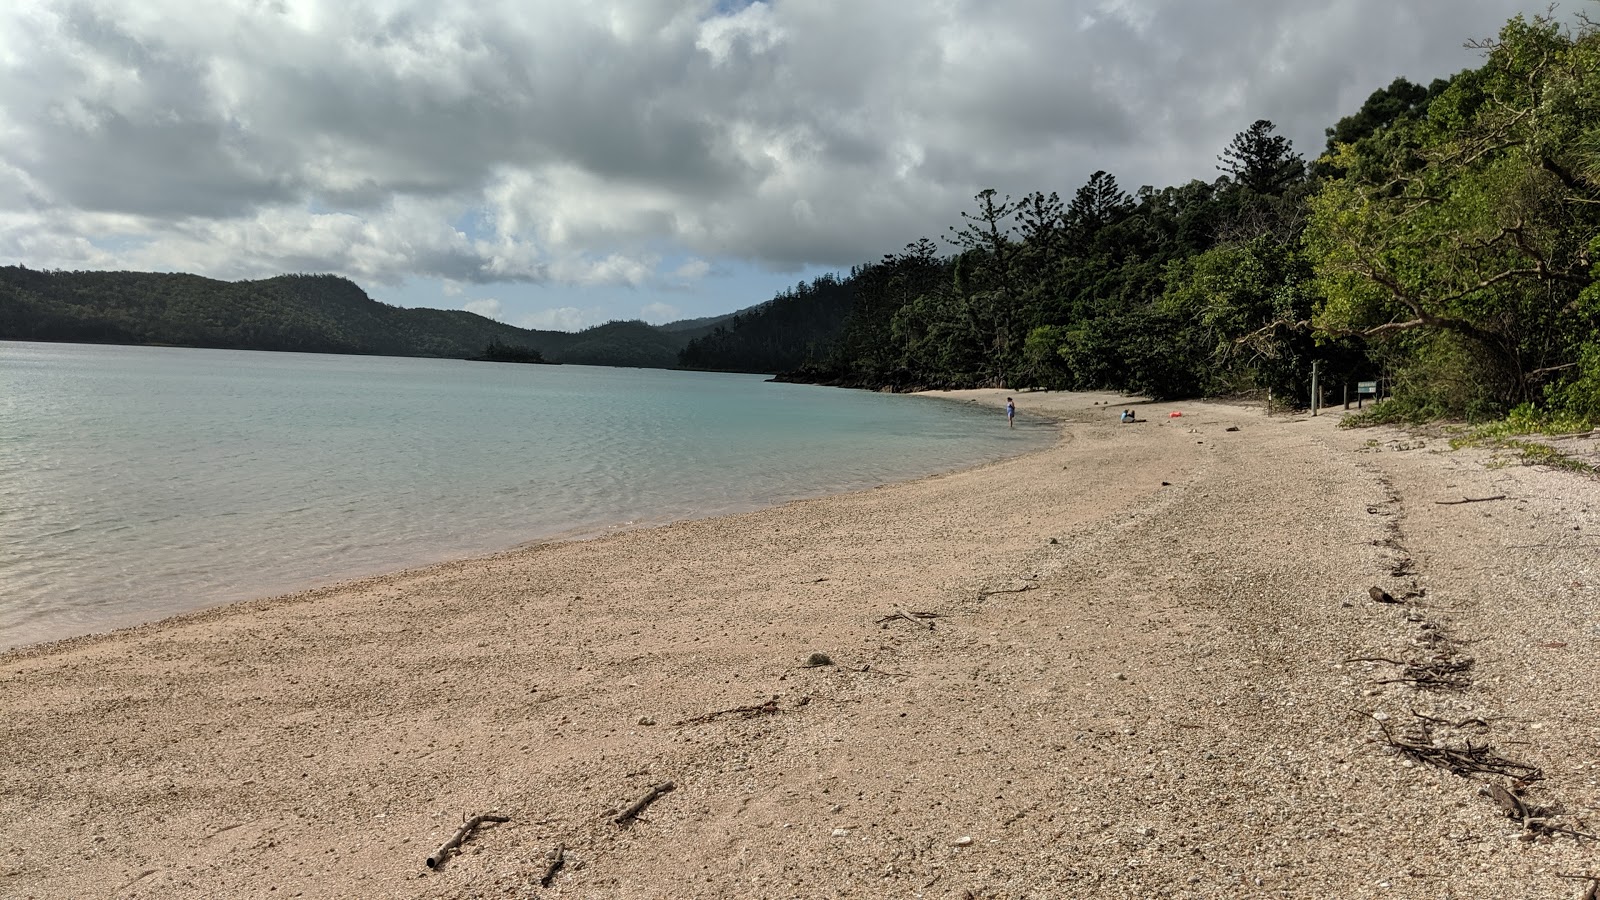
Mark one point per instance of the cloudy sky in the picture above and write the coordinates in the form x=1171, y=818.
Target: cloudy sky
x=559, y=164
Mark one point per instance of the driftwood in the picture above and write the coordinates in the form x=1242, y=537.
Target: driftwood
x=1469, y=500
x=462, y=833
x=637, y=806
x=554, y=860
x=769, y=708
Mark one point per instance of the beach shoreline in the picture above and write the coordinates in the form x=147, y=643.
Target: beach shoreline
x=1120, y=666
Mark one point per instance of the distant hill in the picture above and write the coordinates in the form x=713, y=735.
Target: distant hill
x=797, y=327
x=306, y=313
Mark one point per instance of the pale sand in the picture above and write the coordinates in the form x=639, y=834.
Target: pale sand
x=1137, y=686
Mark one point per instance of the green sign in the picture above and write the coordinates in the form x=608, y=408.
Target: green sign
x=1367, y=387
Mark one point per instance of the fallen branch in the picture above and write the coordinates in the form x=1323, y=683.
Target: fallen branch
x=769, y=708
x=638, y=805
x=921, y=619
x=554, y=860
x=1472, y=759
x=1469, y=500
x=462, y=833
x=989, y=592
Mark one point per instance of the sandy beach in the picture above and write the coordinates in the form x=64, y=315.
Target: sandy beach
x=1146, y=662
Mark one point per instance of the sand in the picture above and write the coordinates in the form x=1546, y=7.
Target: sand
x=1137, y=678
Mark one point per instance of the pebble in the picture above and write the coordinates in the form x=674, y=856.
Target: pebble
x=962, y=841
x=841, y=832
x=647, y=720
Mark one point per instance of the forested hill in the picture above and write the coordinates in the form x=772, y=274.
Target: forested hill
x=308, y=313
x=1443, y=243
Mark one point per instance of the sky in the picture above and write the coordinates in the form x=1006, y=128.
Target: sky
x=562, y=164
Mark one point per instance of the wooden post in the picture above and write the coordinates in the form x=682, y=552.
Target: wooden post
x=1316, y=385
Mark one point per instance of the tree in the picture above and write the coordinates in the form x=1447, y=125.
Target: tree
x=1262, y=161
x=1480, y=220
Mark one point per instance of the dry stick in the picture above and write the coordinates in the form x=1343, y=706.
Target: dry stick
x=992, y=591
x=1469, y=500
x=913, y=619
x=555, y=859
x=638, y=805
x=1464, y=723
x=443, y=853
x=769, y=708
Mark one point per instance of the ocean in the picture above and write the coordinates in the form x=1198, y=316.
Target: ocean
x=141, y=482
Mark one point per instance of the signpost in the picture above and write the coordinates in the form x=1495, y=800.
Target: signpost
x=1363, y=388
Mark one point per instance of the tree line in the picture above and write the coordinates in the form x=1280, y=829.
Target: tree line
x=1443, y=241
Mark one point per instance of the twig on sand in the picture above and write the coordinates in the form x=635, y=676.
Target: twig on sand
x=1469, y=500
x=462, y=833
x=989, y=592
x=923, y=619
x=769, y=708
x=554, y=860
x=637, y=806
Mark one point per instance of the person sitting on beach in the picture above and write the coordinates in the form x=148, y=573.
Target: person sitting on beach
x=1127, y=416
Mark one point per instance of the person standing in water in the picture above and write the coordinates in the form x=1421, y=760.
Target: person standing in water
x=1011, y=414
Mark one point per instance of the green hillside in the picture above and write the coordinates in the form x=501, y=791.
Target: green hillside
x=307, y=313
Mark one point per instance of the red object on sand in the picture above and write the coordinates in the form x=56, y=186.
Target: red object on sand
x=1174, y=414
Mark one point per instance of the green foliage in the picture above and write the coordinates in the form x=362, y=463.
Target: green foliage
x=1524, y=421
x=1579, y=396
x=1475, y=220
x=793, y=329
x=498, y=352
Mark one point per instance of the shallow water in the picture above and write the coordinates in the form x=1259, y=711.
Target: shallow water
x=139, y=482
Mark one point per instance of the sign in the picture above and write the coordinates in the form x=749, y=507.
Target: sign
x=1367, y=387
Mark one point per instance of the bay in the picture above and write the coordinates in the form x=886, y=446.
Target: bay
x=140, y=482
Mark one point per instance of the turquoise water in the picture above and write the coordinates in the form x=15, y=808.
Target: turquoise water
x=139, y=482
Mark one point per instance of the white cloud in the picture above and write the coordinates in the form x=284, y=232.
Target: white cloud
x=690, y=270
x=489, y=308
x=565, y=318
x=584, y=144
x=660, y=313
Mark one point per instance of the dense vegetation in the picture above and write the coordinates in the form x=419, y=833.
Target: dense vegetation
x=1443, y=242
x=498, y=352
x=310, y=313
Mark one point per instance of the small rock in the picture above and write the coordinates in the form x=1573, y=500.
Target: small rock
x=1118, y=676
x=647, y=720
x=1054, y=541
x=962, y=841
x=818, y=659
x=841, y=832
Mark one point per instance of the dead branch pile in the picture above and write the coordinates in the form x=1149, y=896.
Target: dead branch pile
x=1469, y=759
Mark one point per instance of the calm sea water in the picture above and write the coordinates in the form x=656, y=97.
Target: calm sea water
x=138, y=482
